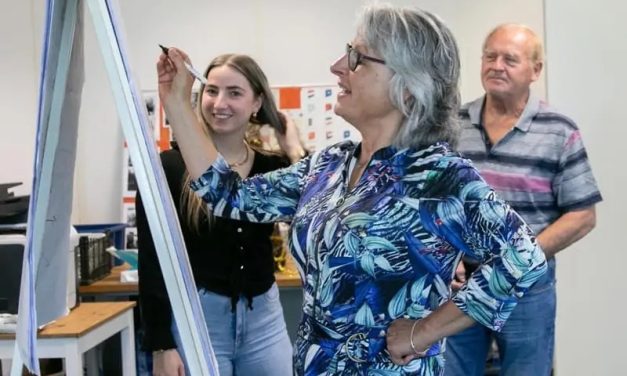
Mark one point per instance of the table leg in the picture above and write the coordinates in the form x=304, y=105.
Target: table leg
x=127, y=337
x=6, y=366
x=92, y=362
x=73, y=362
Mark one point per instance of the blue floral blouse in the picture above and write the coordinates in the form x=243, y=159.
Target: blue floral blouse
x=384, y=249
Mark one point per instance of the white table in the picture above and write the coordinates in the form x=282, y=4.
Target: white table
x=86, y=326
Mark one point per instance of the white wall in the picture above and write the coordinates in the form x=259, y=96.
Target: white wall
x=19, y=64
x=587, y=79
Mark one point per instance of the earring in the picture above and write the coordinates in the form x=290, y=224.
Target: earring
x=254, y=115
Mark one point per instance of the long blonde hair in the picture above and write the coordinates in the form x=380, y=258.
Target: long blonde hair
x=193, y=208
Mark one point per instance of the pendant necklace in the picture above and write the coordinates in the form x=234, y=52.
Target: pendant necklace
x=242, y=161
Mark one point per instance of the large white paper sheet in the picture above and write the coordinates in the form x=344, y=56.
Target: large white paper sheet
x=44, y=270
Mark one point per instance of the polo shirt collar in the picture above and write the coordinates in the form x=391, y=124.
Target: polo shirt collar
x=524, y=122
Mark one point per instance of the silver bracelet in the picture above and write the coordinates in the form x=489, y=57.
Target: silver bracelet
x=411, y=341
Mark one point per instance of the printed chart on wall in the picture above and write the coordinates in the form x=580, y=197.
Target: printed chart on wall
x=311, y=108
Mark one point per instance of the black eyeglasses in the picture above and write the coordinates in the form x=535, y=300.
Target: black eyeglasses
x=355, y=57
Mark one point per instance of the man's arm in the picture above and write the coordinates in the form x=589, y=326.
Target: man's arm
x=566, y=230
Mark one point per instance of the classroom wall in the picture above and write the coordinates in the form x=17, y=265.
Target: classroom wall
x=18, y=91
x=587, y=56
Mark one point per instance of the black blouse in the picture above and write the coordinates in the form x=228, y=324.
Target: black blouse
x=230, y=257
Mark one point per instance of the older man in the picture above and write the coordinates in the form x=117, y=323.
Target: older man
x=534, y=158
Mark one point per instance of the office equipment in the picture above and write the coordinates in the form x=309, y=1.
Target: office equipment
x=115, y=232
x=13, y=209
x=11, y=254
x=93, y=262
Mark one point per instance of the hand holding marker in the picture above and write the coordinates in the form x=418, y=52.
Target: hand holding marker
x=189, y=68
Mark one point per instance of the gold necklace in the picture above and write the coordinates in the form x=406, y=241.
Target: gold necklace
x=244, y=160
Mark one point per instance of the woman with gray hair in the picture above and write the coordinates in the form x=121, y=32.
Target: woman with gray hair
x=378, y=227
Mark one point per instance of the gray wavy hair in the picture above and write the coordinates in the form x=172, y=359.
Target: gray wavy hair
x=423, y=55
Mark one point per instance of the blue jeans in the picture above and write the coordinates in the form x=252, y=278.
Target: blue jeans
x=525, y=343
x=246, y=342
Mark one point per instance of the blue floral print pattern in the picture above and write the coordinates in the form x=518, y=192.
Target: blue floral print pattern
x=383, y=249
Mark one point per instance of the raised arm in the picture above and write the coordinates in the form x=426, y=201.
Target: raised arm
x=175, y=87
x=264, y=198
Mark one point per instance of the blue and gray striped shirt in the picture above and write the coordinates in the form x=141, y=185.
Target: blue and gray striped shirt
x=540, y=167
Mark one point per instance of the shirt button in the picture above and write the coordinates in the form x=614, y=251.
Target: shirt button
x=241, y=248
x=340, y=202
x=239, y=229
x=241, y=267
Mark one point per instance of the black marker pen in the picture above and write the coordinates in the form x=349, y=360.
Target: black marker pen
x=189, y=67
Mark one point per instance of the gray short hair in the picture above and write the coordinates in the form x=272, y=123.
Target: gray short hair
x=536, y=52
x=423, y=55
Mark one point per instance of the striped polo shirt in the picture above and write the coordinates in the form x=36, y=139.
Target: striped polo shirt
x=540, y=167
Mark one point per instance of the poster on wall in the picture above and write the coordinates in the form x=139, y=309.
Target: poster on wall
x=128, y=216
x=309, y=106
